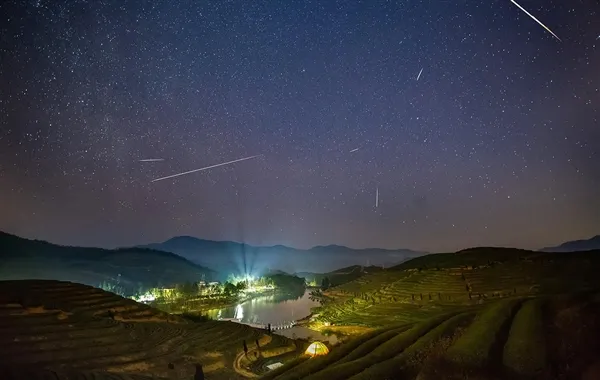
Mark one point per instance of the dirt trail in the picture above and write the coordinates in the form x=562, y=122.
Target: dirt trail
x=237, y=365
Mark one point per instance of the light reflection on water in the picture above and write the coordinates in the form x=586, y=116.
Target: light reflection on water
x=274, y=309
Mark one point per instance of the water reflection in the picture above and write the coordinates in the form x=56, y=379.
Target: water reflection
x=275, y=309
x=239, y=313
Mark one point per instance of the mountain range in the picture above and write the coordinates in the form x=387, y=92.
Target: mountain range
x=576, y=245
x=127, y=269
x=185, y=258
x=240, y=259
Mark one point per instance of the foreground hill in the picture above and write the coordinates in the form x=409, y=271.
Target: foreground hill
x=127, y=269
x=76, y=331
x=513, y=338
x=576, y=245
x=428, y=285
x=232, y=257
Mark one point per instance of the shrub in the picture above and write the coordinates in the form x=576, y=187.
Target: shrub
x=473, y=348
x=385, y=351
x=525, y=350
x=316, y=364
x=370, y=345
x=408, y=358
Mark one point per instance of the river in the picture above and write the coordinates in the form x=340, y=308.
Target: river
x=276, y=309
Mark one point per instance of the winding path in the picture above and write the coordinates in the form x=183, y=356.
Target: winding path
x=237, y=365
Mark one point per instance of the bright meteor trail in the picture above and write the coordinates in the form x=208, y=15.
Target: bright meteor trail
x=152, y=159
x=538, y=21
x=206, y=168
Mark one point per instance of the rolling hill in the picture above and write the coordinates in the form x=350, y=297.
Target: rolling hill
x=129, y=269
x=340, y=276
x=576, y=245
x=54, y=329
x=481, y=313
x=428, y=285
x=513, y=338
x=238, y=258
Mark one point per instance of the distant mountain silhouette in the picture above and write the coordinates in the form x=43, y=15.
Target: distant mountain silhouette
x=129, y=268
x=239, y=258
x=576, y=245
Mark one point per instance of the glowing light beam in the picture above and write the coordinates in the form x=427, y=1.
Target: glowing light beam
x=536, y=20
x=206, y=168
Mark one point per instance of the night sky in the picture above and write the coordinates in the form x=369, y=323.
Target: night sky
x=496, y=143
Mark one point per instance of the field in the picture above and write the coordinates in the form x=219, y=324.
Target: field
x=66, y=330
x=511, y=338
x=441, y=283
x=486, y=313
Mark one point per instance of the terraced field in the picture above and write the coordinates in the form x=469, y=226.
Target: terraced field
x=53, y=329
x=511, y=338
x=431, y=285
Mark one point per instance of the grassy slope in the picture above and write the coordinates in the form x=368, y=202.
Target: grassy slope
x=474, y=347
x=525, y=351
x=316, y=364
x=76, y=327
x=434, y=284
x=385, y=351
x=506, y=334
x=409, y=357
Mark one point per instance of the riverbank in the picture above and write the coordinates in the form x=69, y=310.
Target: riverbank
x=198, y=307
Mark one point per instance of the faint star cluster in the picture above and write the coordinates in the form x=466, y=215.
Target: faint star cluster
x=477, y=126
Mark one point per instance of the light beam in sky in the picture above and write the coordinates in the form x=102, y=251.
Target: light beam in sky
x=206, y=168
x=152, y=159
x=538, y=21
x=419, y=76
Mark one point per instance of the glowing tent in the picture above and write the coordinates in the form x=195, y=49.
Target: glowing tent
x=317, y=349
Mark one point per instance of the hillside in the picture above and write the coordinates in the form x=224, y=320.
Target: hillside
x=576, y=245
x=340, y=276
x=232, y=257
x=432, y=284
x=128, y=269
x=522, y=338
x=481, y=313
x=76, y=331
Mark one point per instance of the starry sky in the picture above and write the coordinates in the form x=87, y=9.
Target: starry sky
x=496, y=143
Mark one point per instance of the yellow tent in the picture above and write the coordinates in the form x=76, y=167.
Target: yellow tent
x=316, y=349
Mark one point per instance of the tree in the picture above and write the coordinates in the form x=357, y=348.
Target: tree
x=325, y=283
x=229, y=289
x=187, y=289
x=242, y=285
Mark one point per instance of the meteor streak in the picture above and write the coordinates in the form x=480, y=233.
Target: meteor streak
x=152, y=159
x=536, y=20
x=354, y=150
x=206, y=168
x=419, y=76
x=377, y=197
